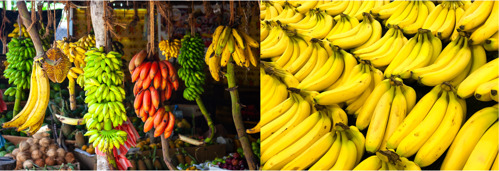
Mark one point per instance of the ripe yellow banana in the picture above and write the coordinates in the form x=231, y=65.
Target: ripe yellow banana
x=483, y=155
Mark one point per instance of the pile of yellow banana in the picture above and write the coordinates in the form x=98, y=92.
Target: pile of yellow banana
x=170, y=48
x=386, y=160
x=227, y=42
x=482, y=83
x=75, y=51
x=15, y=32
x=32, y=115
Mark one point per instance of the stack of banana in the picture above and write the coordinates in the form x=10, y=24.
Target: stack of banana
x=191, y=60
x=384, y=110
x=442, y=21
x=481, y=20
x=475, y=145
x=230, y=42
x=430, y=127
x=32, y=115
x=387, y=160
x=408, y=15
x=104, y=96
x=383, y=51
x=170, y=48
x=482, y=83
x=20, y=59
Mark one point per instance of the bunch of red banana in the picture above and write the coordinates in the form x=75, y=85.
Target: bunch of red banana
x=154, y=84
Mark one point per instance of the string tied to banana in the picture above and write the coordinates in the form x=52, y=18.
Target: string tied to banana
x=110, y=23
x=3, y=35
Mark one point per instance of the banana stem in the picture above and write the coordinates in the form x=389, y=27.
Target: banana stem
x=236, y=115
x=72, y=96
x=208, y=119
x=17, y=103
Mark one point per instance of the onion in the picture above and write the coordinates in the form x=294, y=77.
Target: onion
x=28, y=164
x=44, y=142
x=40, y=162
x=22, y=156
x=51, y=153
x=38, y=136
x=61, y=152
x=23, y=146
x=53, y=146
x=59, y=160
x=69, y=157
x=50, y=161
x=33, y=147
x=36, y=154
x=15, y=151
x=30, y=141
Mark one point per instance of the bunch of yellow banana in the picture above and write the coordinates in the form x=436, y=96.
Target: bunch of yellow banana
x=270, y=9
x=170, y=48
x=343, y=24
x=227, y=42
x=316, y=24
x=492, y=44
x=363, y=35
x=442, y=21
x=46, y=42
x=286, y=15
x=350, y=7
x=408, y=15
x=351, y=86
x=384, y=110
x=420, y=51
x=430, y=127
x=456, y=61
x=264, y=30
x=275, y=44
x=32, y=115
x=324, y=69
x=387, y=160
x=481, y=19
x=475, y=146
x=482, y=82
x=383, y=51
x=15, y=32
x=321, y=141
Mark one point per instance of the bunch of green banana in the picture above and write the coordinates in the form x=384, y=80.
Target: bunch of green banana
x=384, y=110
x=442, y=21
x=104, y=95
x=475, y=146
x=481, y=18
x=343, y=24
x=20, y=59
x=46, y=42
x=31, y=117
x=387, y=160
x=421, y=50
x=363, y=35
x=106, y=140
x=482, y=82
x=408, y=15
x=430, y=127
x=350, y=8
x=492, y=43
x=229, y=42
x=383, y=51
x=456, y=61
x=170, y=48
x=354, y=85
x=191, y=60
x=324, y=67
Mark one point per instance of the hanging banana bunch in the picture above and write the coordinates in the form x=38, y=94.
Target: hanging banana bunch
x=170, y=48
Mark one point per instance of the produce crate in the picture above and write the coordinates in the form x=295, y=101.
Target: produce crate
x=87, y=160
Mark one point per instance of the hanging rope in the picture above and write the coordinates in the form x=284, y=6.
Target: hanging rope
x=169, y=19
x=3, y=36
x=231, y=19
x=192, y=21
x=33, y=16
x=151, y=28
x=88, y=15
x=136, y=18
x=110, y=22
x=67, y=8
x=207, y=8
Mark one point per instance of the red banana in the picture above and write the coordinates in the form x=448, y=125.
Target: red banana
x=164, y=69
x=159, y=117
x=168, y=133
x=145, y=70
x=171, y=122
x=152, y=112
x=154, y=69
x=131, y=64
x=168, y=91
x=157, y=81
x=136, y=74
x=173, y=75
x=140, y=57
x=143, y=115
x=148, y=124
x=161, y=127
x=146, y=100
x=138, y=100
x=146, y=83
x=154, y=97
x=162, y=95
x=164, y=83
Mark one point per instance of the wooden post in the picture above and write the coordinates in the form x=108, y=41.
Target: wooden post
x=97, y=15
x=166, y=155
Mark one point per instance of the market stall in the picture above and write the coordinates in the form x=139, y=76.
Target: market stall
x=133, y=85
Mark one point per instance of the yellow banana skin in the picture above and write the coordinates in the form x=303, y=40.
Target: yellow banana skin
x=312, y=154
x=483, y=155
x=371, y=163
x=442, y=138
x=377, y=127
x=483, y=74
x=329, y=158
x=467, y=138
